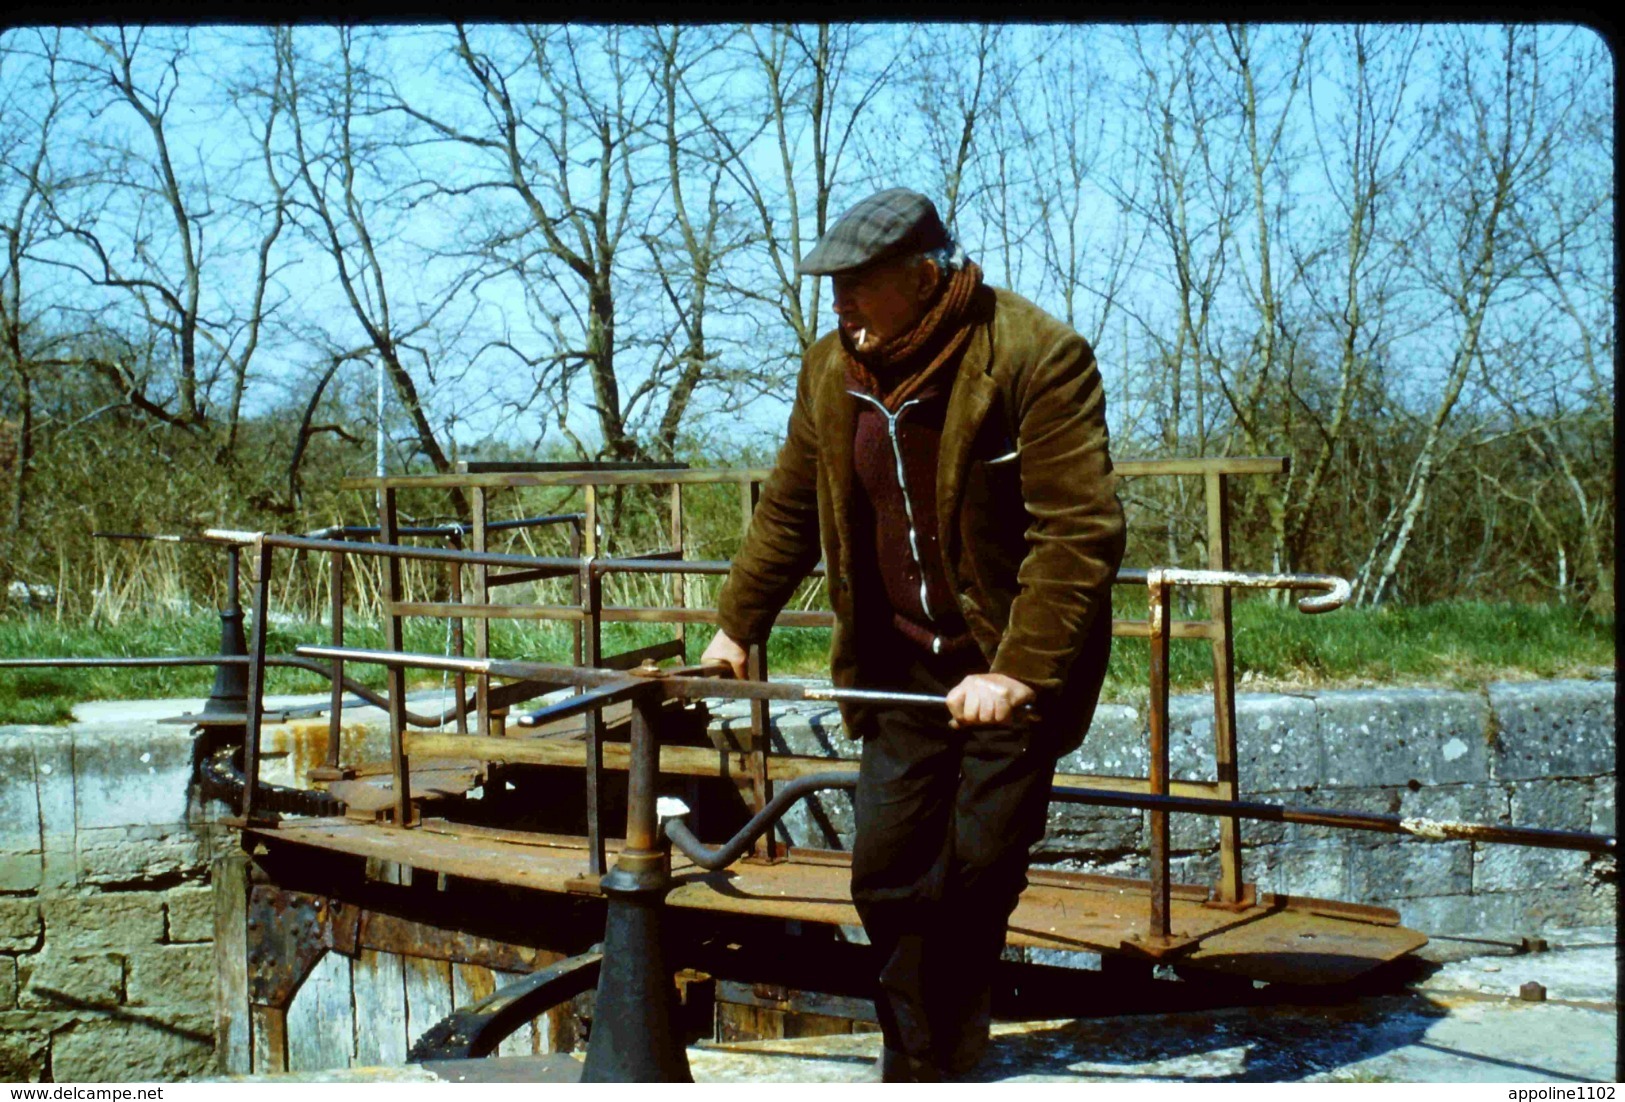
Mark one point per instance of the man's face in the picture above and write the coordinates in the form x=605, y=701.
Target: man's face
x=881, y=301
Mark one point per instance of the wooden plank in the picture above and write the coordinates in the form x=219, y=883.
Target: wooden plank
x=428, y=994
x=321, y=1021
x=526, y=1040
x=1217, y=489
x=697, y=761
x=482, y=596
x=1179, y=629
x=1218, y=464
x=481, y=612
x=232, y=1020
x=1129, y=468
x=380, y=1009
x=1097, y=914
x=515, y=479
x=270, y=1040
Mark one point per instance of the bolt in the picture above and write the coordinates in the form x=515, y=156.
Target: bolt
x=1532, y=992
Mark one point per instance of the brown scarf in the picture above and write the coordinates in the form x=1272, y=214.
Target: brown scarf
x=900, y=367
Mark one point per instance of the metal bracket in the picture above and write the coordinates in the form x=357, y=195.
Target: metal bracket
x=288, y=932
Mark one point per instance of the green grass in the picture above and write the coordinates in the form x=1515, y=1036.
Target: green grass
x=1455, y=645
x=1449, y=645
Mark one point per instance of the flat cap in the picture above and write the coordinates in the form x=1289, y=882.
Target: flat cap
x=889, y=223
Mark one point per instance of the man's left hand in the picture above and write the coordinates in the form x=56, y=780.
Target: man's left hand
x=987, y=699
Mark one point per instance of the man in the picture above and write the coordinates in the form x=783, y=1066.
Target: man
x=947, y=453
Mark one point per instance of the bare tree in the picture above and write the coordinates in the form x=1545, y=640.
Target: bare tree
x=33, y=105
x=1495, y=134
x=812, y=96
x=338, y=158
x=1348, y=272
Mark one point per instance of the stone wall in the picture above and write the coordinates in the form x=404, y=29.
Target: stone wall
x=106, y=966
x=106, y=917
x=106, y=920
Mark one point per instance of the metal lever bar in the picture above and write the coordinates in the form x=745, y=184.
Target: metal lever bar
x=676, y=829
x=673, y=687
x=1335, y=591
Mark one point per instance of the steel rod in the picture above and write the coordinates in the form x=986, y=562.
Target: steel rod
x=761, y=823
x=400, y=767
x=442, y=529
x=589, y=701
x=1159, y=930
x=336, y=701
x=256, y=679
x=642, y=777
x=1334, y=590
x=1427, y=830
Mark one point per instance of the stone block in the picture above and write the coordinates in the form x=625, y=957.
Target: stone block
x=1507, y=915
x=8, y=982
x=809, y=727
x=1381, y=737
x=104, y=919
x=1526, y=869
x=1382, y=801
x=1128, y=864
x=1278, y=742
x=1189, y=832
x=822, y=821
x=1553, y=729
x=121, y=781
x=19, y=799
x=191, y=914
x=1115, y=745
x=134, y=1050
x=22, y=872
x=54, y=786
x=170, y=975
x=58, y=979
x=23, y=1056
x=1472, y=803
x=1317, y=869
x=1080, y=829
x=20, y=926
x=1552, y=805
x=1190, y=738
x=1388, y=871
x=130, y=855
x=1194, y=868
x=1064, y=958
x=1604, y=814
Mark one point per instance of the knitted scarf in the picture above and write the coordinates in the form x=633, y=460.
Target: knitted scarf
x=900, y=367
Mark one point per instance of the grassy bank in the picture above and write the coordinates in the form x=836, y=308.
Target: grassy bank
x=1454, y=645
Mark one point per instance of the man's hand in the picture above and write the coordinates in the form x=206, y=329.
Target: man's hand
x=724, y=648
x=986, y=699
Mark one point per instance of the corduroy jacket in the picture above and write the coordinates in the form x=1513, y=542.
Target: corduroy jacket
x=1027, y=510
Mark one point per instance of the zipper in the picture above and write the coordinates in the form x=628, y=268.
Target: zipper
x=908, y=504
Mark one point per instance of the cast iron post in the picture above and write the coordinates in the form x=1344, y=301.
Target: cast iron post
x=634, y=1039
x=230, y=693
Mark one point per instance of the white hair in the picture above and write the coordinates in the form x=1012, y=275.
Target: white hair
x=949, y=258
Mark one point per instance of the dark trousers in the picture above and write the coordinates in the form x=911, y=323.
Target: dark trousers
x=945, y=820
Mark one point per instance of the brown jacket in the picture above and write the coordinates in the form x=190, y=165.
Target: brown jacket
x=1031, y=543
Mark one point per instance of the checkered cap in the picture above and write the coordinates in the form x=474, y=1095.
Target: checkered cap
x=889, y=223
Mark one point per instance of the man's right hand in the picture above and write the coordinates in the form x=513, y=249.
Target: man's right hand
x=725, y=649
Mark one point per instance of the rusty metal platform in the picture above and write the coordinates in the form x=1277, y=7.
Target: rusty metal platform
x=1277, y=939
